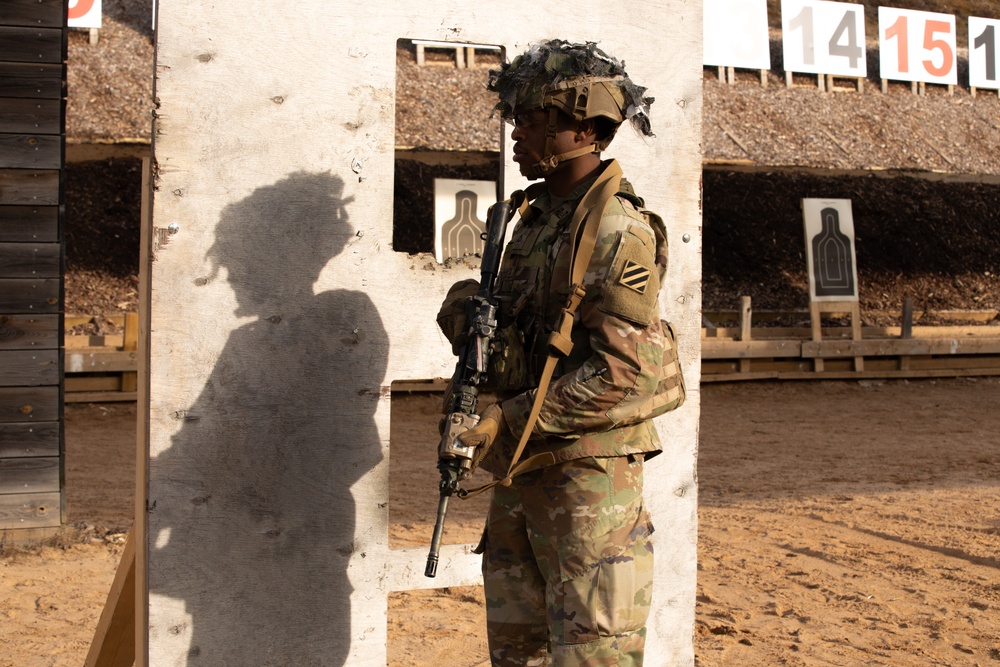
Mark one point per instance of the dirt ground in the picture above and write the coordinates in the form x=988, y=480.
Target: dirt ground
x=841, y=523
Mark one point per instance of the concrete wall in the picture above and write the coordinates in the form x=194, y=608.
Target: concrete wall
x=280, y=315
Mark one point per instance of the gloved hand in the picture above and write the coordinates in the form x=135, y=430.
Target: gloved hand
x=452, y=316
x=491, y=426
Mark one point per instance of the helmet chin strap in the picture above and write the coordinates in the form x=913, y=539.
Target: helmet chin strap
x=549, y=162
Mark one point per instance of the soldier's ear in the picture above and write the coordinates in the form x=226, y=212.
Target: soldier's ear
x=586, y=131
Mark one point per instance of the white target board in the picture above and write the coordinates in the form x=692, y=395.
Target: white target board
x=983, y=59
x=917, y=46
x=820, y=37
x=84, y=14
x=460, y=210
x=735, y=34
x=829, y=232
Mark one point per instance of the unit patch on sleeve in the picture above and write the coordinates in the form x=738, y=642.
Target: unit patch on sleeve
x=635, y=277
x=633, y=283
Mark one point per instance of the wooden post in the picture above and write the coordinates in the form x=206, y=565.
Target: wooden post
x=816, y=310
x=906, y=331
x=763, y=78
x=139, y=528
x=746, y=328
x=130, y=344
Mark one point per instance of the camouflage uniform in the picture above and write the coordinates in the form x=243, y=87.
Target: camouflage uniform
x=568, y=560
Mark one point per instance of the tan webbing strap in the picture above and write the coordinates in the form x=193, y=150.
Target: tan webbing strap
x=583, y=230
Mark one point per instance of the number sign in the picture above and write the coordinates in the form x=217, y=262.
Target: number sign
x=735, y=34
x=84, y=14
x=821, y=37
x=917, y=46
x=983, y=52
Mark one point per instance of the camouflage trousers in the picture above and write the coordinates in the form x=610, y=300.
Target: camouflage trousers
x=568, y=566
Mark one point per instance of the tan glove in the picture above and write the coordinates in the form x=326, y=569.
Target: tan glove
x=491, y=426
x=452, y=317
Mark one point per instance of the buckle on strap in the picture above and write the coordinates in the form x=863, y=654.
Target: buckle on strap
x=560, y=341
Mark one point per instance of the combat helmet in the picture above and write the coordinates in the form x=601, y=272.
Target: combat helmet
x=580, y=80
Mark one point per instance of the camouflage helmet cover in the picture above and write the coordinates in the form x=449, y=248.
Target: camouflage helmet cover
x=579, y=79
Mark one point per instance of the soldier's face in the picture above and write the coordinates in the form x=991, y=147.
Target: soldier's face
x=529, y=137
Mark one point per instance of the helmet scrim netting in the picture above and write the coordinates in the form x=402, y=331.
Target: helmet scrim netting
x=527, y=82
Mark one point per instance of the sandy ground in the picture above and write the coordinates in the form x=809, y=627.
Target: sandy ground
x=840, y=524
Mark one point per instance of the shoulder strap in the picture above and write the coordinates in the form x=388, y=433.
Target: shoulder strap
x=583, y=231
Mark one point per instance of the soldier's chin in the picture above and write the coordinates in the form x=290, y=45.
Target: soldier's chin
x=527, y=171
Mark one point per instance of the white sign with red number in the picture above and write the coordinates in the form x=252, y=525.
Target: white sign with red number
x=821, y=37
x=735, y=34
x=983, y=52
x=917, y=46
x=84, y=14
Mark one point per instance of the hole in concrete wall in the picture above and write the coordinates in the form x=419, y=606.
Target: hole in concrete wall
x=428, y=624
x=415, y=409
x=443, y=130
x=423, y=625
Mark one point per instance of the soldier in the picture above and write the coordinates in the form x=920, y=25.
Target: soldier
x=567, y=551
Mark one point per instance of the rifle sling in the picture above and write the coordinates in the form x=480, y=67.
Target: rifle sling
x=584, y=227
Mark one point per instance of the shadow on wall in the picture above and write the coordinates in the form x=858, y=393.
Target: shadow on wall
x=254, y=519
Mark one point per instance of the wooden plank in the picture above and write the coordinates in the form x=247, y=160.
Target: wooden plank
x=848, y=375
x=101, y=397
x=29, y=223
x=721, y=349
x=30, y=260
x=29, y=187
x=29, y=510
x=42, y=13
x=29, y=440
x=29, y=368
x=29, y=404
x=30, y=151
x=31, y=116
x=114, y=640
x=100, y=362
x=92, y=384
x=897, y=347
x=801, y=333
x=31, y=45
x=985, y=315
x=29, y=475
x=32, y=80
x=108, y=340
x=24, y=295
x=29, y=332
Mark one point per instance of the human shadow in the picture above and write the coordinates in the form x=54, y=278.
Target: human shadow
x=254, y=521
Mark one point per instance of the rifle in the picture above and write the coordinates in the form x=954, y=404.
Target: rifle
x=454, y=458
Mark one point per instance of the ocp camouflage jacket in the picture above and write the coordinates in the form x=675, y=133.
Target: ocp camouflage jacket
x=601, y=396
